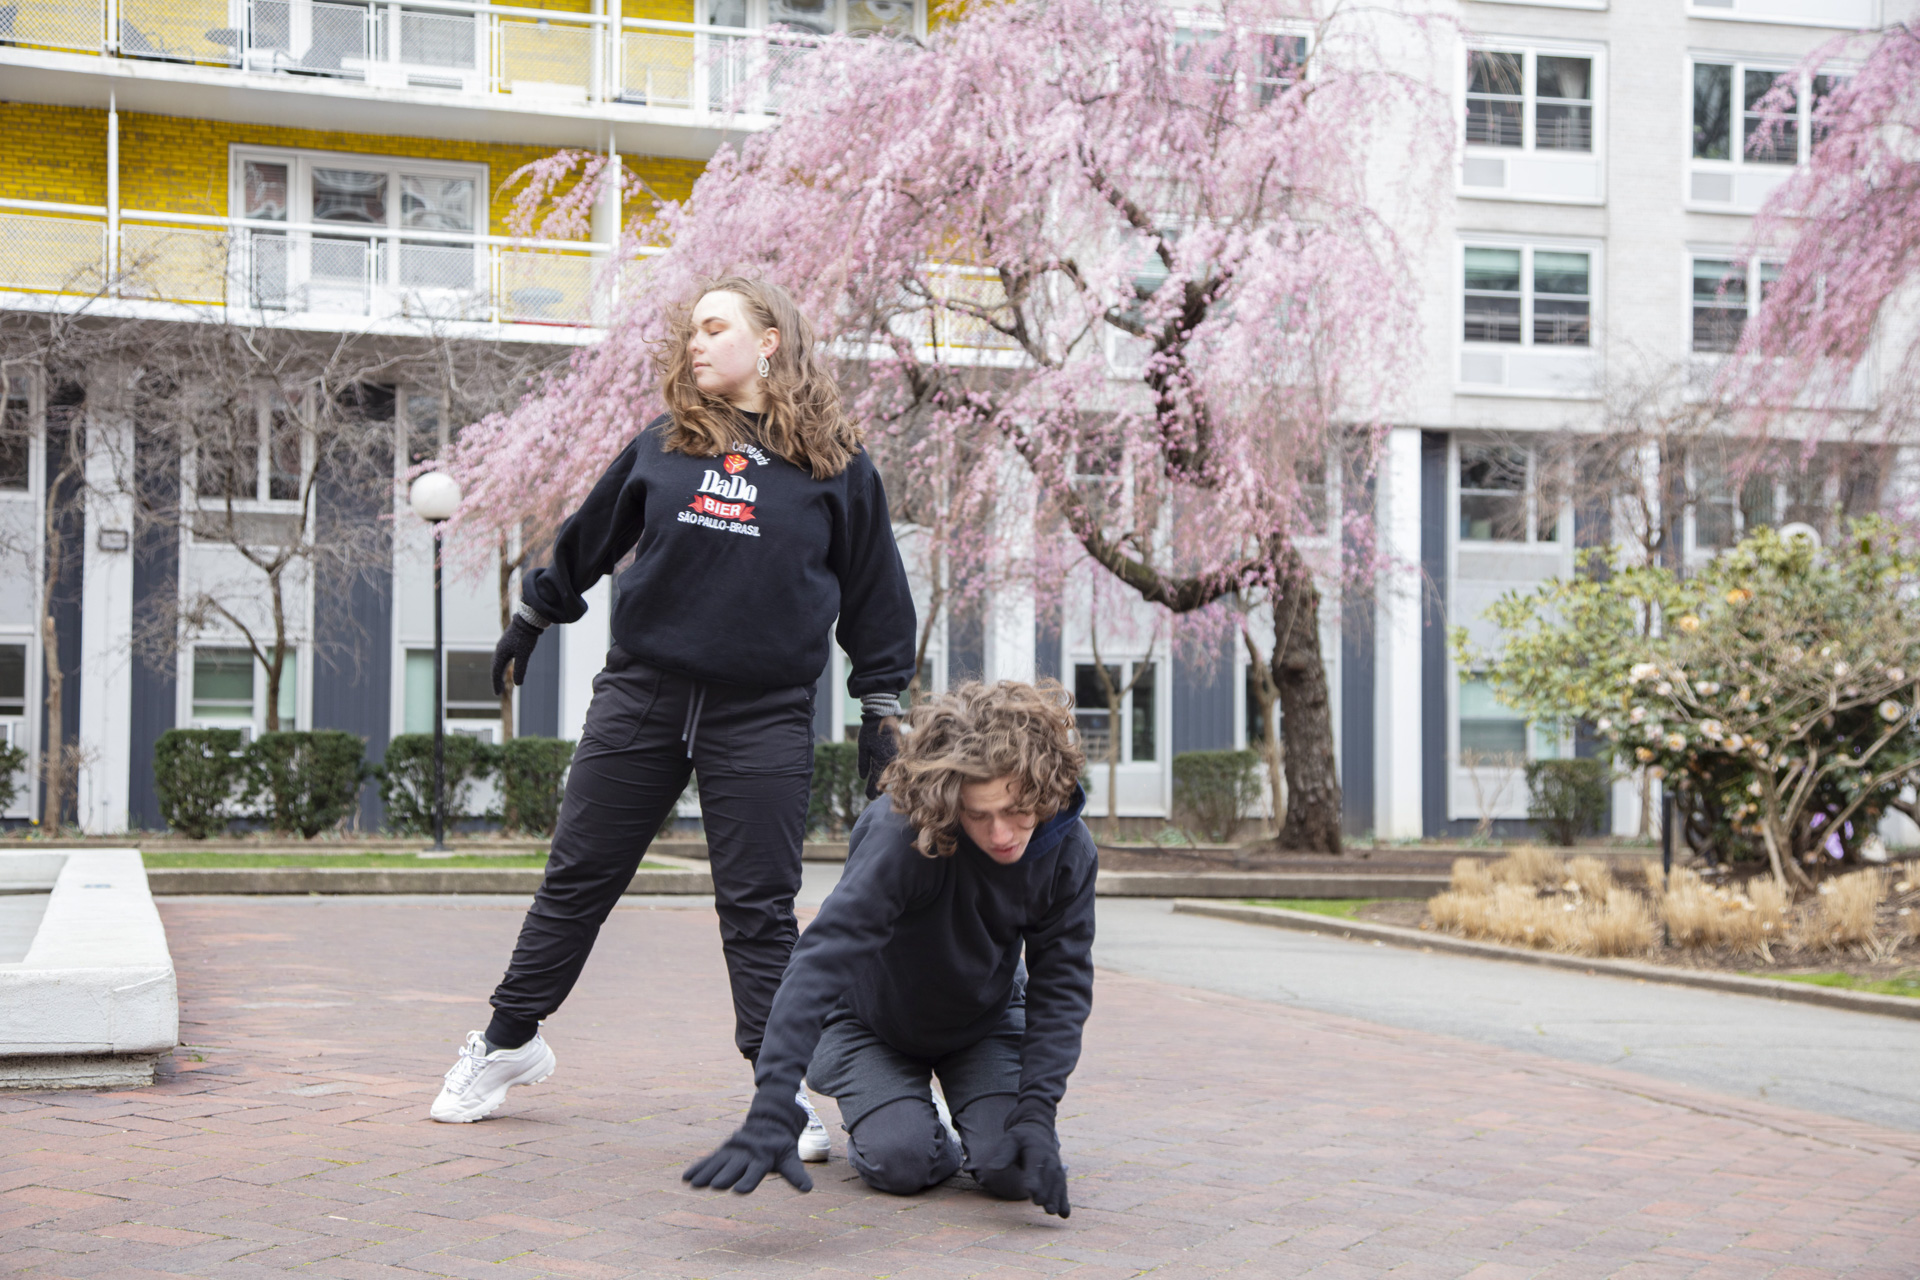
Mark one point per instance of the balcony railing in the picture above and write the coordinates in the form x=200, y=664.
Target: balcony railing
x=451, y=46
x=321, y=271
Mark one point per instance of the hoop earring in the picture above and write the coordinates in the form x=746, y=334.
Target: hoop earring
x=764, y=367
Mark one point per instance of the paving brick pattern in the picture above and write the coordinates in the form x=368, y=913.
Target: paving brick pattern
x=1208, y=1136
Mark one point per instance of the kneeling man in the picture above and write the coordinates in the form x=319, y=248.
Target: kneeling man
x=913, y=966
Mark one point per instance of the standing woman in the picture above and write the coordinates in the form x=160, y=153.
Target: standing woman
x=755, y=519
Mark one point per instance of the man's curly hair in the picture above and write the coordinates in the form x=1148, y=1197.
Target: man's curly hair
x=976, y=733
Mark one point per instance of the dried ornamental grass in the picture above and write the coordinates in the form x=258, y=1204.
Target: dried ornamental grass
x=1535, y=868
x=1589, y=877
x=1470, y=876
x=1760, y=919
x=1622, y=927
x=1846, y=908
x=1691, y=910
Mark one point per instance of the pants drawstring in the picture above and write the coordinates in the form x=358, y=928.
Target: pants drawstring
x=691, y=730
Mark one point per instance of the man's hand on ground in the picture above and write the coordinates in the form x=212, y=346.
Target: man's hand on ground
x=767, y=1143
x=879, y=744
x=1030, y=1145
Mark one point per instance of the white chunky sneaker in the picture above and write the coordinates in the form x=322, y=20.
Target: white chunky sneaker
x=814, y=1147
x=477, y=1084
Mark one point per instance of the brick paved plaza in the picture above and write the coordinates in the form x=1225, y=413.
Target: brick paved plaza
x=1207, y=1136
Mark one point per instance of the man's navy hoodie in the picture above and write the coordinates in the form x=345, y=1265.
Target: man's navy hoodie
x=926, y=951
x=741, y=565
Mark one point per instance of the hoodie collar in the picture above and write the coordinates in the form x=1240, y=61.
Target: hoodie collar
x=1046, y=837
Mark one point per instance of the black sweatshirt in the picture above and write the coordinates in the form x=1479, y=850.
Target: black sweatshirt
x=926, y=951
x=742, y=563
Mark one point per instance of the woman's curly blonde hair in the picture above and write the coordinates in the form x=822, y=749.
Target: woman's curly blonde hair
x=976, y=733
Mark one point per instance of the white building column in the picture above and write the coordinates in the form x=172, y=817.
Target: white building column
x=1010, y=614
x=583, y=652
x=104, y=778
x=1398, y=792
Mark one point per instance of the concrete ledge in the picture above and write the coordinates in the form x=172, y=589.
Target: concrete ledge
x=79, y=1071
x=1738, y=984
x=97, y=980
x=1269, y=884
x=357, y=880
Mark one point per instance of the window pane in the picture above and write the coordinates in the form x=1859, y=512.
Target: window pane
x=1563, y=109
x=16, y=436
x=1281, y=58
x=265, y=189
x=1712, y=110
x=470, y=679
x=1719, y=304
x=727, y=13
x=1823, y=87
x=1769, y=137
x=419, y=691
x=350, y=195
x=283, y=456
x=227, y=461
x=1494, y=269
x=1477, y=702
x=436, y=204
x=1143, y=725
x=1256, y=723
x=289, y=690
x=801, y=15
x=1495, y=114
x=223, y=681
x=1489, y=729
x=1090, y=703
x=1493, y=467
x=1560, y=322
x=1560, y=273
x=880, y=17
x=13, y=679
x=1493, y=518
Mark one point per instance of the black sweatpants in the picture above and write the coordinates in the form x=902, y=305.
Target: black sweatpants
x=752, y=750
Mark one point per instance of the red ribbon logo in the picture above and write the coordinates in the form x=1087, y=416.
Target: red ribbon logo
x=724, y=510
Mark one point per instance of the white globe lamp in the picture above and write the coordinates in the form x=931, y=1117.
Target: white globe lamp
x=434, y=496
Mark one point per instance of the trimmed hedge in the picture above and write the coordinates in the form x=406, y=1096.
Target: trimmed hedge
x=12, y=760
x=306, y=781
x=533, y=777
x=838, y=794
x=198, y=774
x=1212, y=789
x=1567, y=798
x=406, y=779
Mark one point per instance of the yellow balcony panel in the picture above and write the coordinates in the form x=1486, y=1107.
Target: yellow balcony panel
x=42, y=254
x=72, y=26
x=540, y=287
x=174, y=264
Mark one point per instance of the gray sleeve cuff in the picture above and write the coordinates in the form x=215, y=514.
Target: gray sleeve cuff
x=879, y=706
x=532, y=616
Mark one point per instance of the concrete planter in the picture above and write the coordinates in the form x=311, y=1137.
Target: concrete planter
x=87, y=990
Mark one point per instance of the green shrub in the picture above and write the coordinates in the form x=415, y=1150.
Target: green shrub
x=838, y=794
x=533, y=776
x=406, y=779
x=306, y=781
x=1212, y=789
x=12, y=760
x=198, y=774
x=1567, y=798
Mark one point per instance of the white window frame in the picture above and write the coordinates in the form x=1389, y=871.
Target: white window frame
x=24, y=730
x=1201, y=20
x=1127, y=667
x=1593, y=158
x=256, y=723
x=486, y=728
x=385, y=294
x=1527, y=248
x=1737, y=163
x=1561, y=522
x=1754, y=267
x=757, y=19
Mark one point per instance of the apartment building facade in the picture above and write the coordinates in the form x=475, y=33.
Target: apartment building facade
x=336, y=167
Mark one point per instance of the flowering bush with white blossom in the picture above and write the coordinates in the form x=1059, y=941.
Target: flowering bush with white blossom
x=1776, y=688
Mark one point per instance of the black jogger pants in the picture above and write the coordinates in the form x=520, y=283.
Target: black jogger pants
x=752, y=751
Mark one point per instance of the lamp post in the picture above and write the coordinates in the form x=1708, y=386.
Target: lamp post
x=434, y=497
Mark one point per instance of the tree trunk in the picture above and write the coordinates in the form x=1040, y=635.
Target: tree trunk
x=1306, y=716
x=53, y=768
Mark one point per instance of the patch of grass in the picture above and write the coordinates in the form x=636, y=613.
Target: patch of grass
x=1906, y=984
x=1339, y=908
x=357, y=861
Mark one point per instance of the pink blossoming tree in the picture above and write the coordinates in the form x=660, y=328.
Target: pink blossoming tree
x=1113, y=290
x=1850, y=220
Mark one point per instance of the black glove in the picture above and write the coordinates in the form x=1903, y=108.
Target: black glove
x=1030, y=1145
x=879, y=744
x=767, y=1143
x=516, y=650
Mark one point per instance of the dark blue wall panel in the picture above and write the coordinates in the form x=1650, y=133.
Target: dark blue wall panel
x=1356, y=694
x=156, y=584
x=1203, y=699
x=540, y=695
x=1433, y=633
